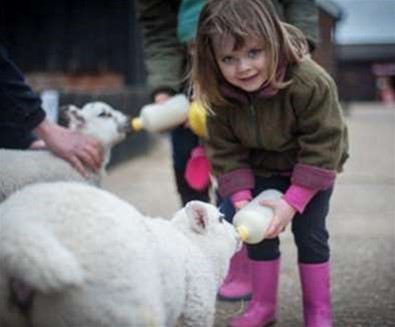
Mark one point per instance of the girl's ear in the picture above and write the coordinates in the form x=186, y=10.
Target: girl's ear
x=197, y=215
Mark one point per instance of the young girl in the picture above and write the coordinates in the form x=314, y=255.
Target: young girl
x=276, y=122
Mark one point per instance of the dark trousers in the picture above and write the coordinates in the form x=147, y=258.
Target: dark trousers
x=183, y=141
x=309, y=228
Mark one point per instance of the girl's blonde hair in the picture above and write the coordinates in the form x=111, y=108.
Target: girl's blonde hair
x=241, y=19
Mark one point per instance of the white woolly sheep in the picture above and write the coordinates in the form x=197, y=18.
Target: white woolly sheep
x=22, y=167
x=75, y=255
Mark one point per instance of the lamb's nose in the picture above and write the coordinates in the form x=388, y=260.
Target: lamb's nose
x=126, y=126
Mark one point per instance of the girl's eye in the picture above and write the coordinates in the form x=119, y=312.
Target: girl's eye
x=227, y=59
x=253, y=53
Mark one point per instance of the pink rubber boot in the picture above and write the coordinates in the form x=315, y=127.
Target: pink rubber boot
x=261, y=311
x=315, y=280
x=237, y=284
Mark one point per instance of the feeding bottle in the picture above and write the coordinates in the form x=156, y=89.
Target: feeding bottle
x=158, y=117
x=252, y=221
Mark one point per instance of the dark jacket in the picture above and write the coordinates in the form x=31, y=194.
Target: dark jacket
x=20, y=107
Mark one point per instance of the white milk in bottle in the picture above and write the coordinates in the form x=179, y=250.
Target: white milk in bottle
x=252, y=220
x=158, y=117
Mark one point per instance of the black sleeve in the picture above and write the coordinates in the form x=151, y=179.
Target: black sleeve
x=15, y=137
x=19, y=105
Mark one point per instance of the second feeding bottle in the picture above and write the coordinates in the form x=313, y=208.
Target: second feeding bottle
x=158, y=117
x=252, y=221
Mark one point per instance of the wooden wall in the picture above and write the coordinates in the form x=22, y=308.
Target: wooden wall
x=93, y=46
x=73, y=37
x=325, y=52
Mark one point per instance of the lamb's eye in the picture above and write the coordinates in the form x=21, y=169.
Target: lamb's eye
x=221, y=218
x=104, y=114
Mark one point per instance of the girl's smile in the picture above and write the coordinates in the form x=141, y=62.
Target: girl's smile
x=245, y=67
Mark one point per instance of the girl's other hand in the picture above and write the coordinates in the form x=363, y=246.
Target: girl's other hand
x=283, y=214
x=240, y=204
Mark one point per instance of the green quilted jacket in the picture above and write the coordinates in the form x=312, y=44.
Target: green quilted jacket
x=301, y=125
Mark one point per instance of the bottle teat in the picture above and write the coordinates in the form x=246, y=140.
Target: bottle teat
x=137, y=124
x=243, y=232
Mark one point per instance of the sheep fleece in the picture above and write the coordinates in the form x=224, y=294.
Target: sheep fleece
x=23, y=167
x=93, y=260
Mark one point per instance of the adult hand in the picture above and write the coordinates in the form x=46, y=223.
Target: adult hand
x=283, y=214
x=76, y=148
x=38, y=145
x=161, y=97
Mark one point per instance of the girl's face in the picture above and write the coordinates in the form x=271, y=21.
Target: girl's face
x=245, y=68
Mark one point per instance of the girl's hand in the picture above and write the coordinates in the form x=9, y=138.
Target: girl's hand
x=240, y=204
x=283, y=214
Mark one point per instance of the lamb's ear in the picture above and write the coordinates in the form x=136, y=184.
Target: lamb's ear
x=69, y=117
x=197, y=214
x=64, y=117
x=77, y=120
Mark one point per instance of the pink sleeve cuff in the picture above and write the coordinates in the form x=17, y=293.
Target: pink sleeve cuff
x=298, y=196
x=313, y=177
x=243, y=195
x=234, y=181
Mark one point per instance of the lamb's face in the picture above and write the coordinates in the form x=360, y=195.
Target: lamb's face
x=100, y=121
x=204, y=225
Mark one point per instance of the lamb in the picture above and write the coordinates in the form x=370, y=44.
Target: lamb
x=22, y=167
x=75, y=255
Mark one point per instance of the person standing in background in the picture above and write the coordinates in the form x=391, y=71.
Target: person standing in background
x=169, y=30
